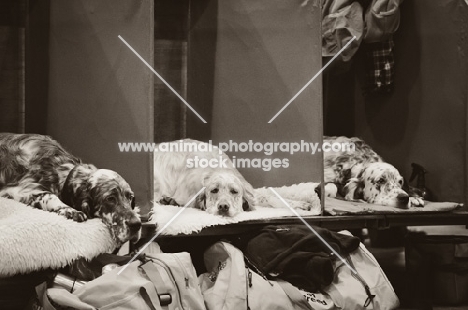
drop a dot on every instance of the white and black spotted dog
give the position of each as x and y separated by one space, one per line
361 174
38 171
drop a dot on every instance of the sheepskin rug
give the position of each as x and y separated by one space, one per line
32 239
193 220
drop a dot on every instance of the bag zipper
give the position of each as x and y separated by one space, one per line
251 265
169 271
358 277
186 277
248 283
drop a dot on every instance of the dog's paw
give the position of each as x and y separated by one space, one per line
168 201
331 190
301 205
416 202
72 214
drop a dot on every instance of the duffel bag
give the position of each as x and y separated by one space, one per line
164 281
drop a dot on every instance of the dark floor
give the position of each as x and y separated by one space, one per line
392 261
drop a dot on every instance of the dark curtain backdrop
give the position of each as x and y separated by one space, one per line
170 60
12 29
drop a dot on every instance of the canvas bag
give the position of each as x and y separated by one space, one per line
348 291
231 285
166 281
368 289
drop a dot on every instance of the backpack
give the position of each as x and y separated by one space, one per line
231 284
162 281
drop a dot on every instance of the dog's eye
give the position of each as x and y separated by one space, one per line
401 182
234 192
381 181
214 191
111 199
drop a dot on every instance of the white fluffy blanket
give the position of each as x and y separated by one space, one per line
32 239
193 220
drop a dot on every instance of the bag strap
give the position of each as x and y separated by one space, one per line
152 300
357 276
41 291
107 258
299 301
162 289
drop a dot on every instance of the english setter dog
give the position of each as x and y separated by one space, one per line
38 171
361 174
177 179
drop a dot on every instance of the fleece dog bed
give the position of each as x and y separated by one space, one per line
194 220
342 207
31 239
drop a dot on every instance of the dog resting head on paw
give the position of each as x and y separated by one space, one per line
104 194
37 171
378 183
225 194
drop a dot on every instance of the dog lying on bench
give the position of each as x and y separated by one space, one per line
36 170
226 192
359 173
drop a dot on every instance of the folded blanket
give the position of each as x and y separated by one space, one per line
342 207
32 239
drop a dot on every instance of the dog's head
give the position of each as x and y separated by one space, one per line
379 183
104 194
225 194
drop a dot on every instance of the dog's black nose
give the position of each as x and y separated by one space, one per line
134 224
403 198
223 207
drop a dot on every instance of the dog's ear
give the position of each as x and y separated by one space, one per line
248 199
200 201
354 189
75 190
406 186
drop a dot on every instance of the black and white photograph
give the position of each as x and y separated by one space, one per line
233 154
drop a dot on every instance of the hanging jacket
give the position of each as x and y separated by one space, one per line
382 19
342 20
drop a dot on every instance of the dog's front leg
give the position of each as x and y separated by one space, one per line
50 202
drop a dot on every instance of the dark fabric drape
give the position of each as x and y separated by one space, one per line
12 14
170 60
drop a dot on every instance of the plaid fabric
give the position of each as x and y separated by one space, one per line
380 67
